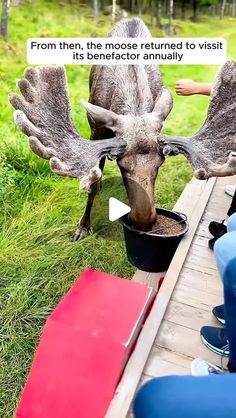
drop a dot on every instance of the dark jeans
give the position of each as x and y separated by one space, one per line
232 208
187 397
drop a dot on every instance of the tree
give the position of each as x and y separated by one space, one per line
103 4
195 10
170 14
233 8
197 4
131 5
222 11
4 18
113 11
183 9
140 7
159 13
95 8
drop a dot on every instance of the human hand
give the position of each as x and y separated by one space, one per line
186 87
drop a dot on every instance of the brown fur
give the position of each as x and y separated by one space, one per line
137 105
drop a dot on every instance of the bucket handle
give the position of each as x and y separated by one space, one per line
181 214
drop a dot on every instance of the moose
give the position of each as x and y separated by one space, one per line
126 110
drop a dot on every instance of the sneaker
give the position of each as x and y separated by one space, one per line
230 189
217 228
200 367
215 339
212 241
218 312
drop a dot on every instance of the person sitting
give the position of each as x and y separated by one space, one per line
216 339
212 395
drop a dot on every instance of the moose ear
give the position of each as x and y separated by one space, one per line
163 104
101 116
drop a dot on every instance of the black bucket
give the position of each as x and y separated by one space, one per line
149 251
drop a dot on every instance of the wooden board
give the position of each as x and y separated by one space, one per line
201 281
188 316
149 279
184 340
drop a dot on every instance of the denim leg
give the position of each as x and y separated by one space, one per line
187 397
232 208
225 252
231 223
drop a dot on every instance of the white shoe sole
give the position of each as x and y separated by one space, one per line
200 367
214 349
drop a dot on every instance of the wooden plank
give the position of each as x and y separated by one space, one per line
149 279
162 362
216 213
200 240
205 282
125 391
207 260
196 297
202 251
185 341
189 316
201 268
186 202
165 367
140 276
203 230
207 263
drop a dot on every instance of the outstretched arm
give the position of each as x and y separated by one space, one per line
188 87
212 150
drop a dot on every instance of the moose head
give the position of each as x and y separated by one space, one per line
143 154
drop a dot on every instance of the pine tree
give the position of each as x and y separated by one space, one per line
4 18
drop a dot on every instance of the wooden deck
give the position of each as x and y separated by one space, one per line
170 337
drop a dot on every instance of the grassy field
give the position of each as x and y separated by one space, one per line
39 211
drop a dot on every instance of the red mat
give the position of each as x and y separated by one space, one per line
84 347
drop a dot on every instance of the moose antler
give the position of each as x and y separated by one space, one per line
212 151
43 115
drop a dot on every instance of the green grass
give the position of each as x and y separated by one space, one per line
39 211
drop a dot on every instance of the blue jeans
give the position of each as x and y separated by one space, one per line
232 208
225 254
231 223
187 397
207 396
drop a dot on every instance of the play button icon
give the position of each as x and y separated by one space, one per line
117 209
